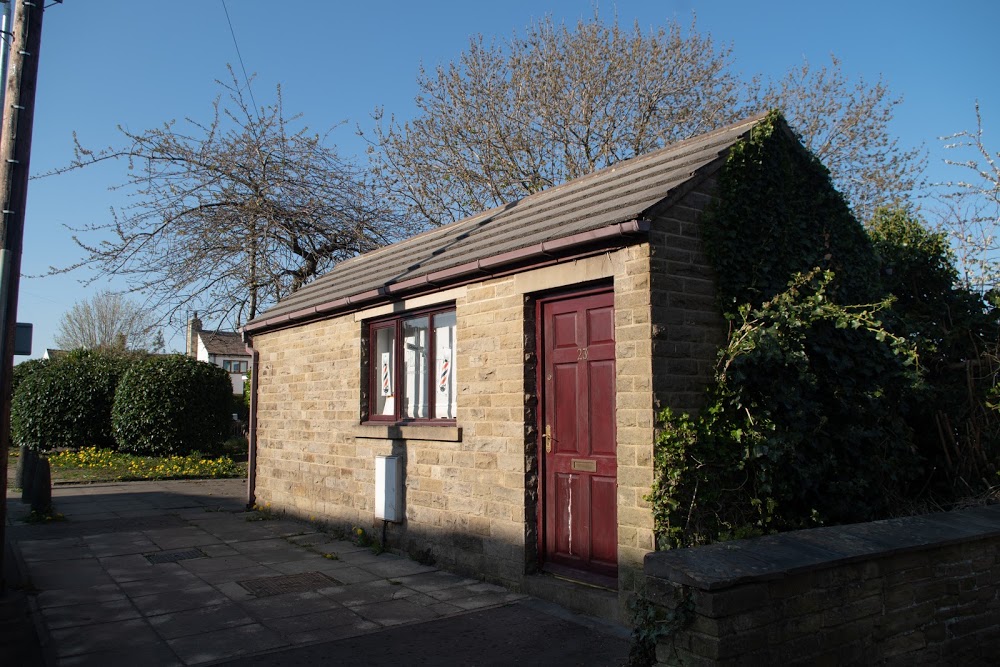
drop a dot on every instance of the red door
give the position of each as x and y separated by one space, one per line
578 444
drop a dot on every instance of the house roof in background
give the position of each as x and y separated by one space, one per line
585 209
224 343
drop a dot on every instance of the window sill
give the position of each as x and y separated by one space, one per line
409 432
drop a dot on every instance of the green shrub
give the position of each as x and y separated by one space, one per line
67 402
172 404
247 386
810 417
24 369
239 408
806 425
957 425
235 448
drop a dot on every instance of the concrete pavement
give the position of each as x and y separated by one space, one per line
177 573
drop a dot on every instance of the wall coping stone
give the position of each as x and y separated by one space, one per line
409 432
727 564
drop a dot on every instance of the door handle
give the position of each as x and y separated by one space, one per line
548 438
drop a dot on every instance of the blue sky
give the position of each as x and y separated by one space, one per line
139 64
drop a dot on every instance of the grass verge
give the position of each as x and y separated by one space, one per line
90 464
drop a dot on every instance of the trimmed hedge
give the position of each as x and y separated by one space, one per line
24 369
172 404
67 402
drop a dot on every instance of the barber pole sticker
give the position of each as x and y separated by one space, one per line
386 375
444 372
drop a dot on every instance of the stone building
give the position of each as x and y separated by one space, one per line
515 362
225 349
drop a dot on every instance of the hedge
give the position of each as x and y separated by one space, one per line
67 402
172 404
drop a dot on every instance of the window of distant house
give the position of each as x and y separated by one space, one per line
234 366
412 367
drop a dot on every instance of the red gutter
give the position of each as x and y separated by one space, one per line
461 273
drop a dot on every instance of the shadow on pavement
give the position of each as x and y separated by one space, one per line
523 633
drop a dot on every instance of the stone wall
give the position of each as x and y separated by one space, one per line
917 590
688 326
667 346
307 407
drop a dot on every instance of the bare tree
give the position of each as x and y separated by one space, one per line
506 120
509 120
109 321
972 207
230 215
845 124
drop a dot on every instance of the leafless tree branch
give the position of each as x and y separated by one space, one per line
230 215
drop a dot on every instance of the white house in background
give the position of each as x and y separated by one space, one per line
225 349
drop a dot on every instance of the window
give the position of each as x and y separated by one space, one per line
234 366
412 367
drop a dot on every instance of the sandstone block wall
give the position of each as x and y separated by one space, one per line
688 327
671 334
913 591
307 405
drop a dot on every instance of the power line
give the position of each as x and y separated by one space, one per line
240 57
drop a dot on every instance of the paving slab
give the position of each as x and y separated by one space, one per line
172 573
225 643
398 567
332 633
233 591
78 573
255 571
217 563
217 550
368 592
320 620
200 620
178 538
329 566
88 613
60 597
308 539
352 575
110 636
395 612
178 600
526 633
159 655
433 581
135 567
169 578
289 604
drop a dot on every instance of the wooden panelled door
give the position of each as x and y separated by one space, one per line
578 443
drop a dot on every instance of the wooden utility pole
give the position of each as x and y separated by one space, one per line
15 155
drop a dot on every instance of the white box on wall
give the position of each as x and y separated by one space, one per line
389 488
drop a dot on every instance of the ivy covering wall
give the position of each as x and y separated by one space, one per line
820 405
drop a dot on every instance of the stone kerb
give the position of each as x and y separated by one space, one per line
915 589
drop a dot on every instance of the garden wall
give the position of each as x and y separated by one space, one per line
916 590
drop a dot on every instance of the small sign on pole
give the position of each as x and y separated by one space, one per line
22 339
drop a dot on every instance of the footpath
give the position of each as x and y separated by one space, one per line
178 573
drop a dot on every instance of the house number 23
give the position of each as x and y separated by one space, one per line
581 353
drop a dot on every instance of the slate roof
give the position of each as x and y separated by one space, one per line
591 204
224 343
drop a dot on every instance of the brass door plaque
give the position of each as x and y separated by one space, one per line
584 465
